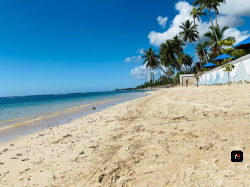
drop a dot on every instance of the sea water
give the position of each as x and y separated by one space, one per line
14 110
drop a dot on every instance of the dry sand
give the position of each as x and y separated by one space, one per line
173 137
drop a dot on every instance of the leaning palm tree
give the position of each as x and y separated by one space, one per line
185 60
167 56
177 45
196 14
151 60
210 4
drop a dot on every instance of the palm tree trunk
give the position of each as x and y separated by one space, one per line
199 58
213 25
172 78
200 41
228 78
165 74
216 19
215 54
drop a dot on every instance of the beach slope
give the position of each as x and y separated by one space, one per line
173 137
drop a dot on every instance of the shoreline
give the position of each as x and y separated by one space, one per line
172 137
62 117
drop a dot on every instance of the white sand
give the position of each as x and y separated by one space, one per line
174 137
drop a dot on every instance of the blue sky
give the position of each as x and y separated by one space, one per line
61 46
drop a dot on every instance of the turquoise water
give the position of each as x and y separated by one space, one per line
14 110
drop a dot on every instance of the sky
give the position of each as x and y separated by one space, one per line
65 46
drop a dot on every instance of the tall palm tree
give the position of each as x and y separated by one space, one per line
196 14
216 4
210 4
151 60
189 32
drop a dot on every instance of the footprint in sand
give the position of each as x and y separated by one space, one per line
222 163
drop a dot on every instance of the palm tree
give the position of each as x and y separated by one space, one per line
213 41
185 60
168 52
197 13
201 52
210 4
189 33
215 6
177 44
212 36
151 59
167 56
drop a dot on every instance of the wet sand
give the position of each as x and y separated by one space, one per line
173 137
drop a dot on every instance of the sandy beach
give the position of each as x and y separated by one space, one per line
173 137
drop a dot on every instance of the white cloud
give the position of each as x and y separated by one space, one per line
239 36
133 59
141 72
235 7
141 51
162 21
184 9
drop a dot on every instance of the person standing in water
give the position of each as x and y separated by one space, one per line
187 83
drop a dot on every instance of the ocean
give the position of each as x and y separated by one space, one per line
19 111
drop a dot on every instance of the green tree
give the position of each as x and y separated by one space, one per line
201 52
151 60
177 45
185 60
210 4
219 33
189 32
216 4
196 14
167 56
197 76
228 67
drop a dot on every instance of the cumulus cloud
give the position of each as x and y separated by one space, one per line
239 36
184 8
141 51
141 72
133 59
236 8
162 21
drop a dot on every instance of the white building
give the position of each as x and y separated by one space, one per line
151 76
